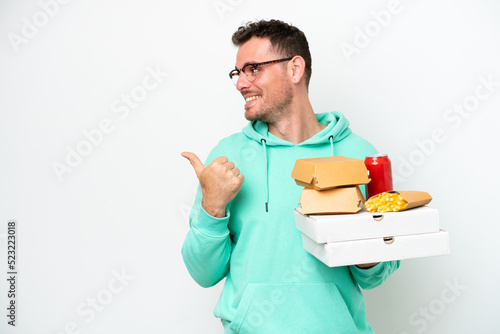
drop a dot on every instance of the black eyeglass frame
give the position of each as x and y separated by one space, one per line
237 71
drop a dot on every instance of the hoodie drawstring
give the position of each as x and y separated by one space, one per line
331 144
263 141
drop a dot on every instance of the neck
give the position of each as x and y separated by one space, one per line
299 124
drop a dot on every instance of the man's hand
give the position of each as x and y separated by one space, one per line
367 265
220 182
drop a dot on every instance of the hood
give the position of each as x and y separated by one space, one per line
337 128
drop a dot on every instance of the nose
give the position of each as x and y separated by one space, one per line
242 82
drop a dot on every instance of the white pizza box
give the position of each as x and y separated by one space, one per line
344 253
367 225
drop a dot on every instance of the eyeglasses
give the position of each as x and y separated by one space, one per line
251 70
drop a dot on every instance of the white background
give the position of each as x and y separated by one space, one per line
121 210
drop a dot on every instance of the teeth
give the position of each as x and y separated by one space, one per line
251 98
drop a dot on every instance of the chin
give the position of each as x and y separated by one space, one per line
262 114
250 116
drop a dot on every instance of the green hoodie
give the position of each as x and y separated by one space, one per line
272 284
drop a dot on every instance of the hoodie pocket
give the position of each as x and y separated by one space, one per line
297 308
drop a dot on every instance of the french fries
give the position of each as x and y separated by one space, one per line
386 202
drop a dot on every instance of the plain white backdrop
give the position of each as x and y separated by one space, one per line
99 98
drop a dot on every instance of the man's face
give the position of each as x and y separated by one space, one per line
267 98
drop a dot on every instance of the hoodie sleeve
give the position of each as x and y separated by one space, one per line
372 277
207 247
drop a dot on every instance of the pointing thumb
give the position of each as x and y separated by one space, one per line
195 162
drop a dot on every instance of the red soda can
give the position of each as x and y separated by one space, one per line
380 172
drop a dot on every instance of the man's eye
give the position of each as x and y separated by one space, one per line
255 69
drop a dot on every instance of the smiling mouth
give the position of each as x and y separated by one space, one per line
252 98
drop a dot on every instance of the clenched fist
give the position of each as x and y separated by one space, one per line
220 182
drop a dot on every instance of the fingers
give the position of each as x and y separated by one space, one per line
224 163
235 171
221 160
227 166
195 162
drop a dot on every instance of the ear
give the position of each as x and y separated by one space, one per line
298 66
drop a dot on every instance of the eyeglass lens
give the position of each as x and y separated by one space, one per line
249 72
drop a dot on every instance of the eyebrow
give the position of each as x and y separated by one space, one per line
245 64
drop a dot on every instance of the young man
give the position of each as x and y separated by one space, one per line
242 223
